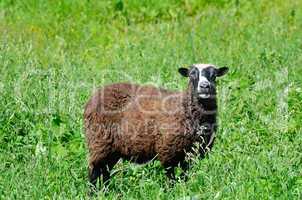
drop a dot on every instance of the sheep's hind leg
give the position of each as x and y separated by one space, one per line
105 173
106 168
96 163
101 173
94 174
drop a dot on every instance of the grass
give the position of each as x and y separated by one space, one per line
54 54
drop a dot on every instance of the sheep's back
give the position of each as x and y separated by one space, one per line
133 117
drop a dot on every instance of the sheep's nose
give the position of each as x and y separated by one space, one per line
204 85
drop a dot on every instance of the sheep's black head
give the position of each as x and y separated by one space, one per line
203 78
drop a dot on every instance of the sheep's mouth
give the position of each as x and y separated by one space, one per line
204 93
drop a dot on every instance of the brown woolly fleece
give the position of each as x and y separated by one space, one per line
141 123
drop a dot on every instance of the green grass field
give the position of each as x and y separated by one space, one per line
54 54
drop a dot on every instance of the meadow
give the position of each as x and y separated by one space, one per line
54 54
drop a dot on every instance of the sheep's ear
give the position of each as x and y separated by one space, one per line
222 71
184 71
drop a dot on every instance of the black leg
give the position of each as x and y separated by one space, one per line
170 173
101 169
105 170
105 173
184 166
94 174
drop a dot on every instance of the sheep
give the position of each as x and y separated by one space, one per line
143 123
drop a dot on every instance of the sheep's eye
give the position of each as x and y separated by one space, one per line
194 74
212 77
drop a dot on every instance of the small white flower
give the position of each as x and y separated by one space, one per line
40 149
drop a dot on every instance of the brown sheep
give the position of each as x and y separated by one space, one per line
140 123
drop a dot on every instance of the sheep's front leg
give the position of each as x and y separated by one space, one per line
184 165
170 172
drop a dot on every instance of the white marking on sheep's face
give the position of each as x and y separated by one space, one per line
203 78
